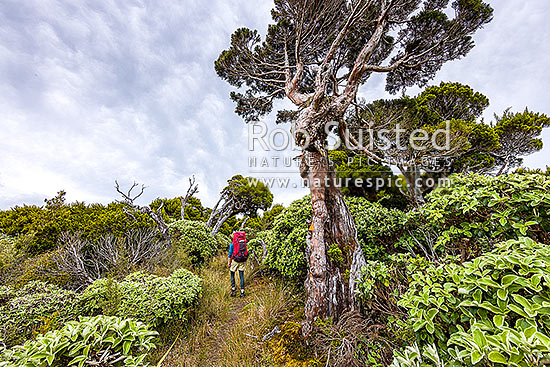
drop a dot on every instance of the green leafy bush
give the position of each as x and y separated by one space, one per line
148 298
98 341
194 238
378 229
25 310
7 251
256 245
382 283
223 240
494 310
476 212
286 242
47 223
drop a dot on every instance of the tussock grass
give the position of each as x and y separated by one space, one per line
226 331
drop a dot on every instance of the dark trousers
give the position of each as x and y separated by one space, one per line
241 275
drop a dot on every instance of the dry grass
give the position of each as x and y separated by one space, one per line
226 331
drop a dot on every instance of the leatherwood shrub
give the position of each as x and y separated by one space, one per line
194 238
96 341
47 223
378 229
494 310
148 298
26 310
477 211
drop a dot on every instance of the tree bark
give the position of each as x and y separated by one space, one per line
415 194
226 212
330 281
243 223
214 212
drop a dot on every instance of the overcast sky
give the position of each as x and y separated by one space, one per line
93 91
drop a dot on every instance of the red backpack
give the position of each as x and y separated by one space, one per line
240 252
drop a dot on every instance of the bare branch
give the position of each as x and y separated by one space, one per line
128 196
192 190
129 201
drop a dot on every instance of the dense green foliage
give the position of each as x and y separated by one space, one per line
359 176
265 221
194 238
493 310
46 224
7 250
519 136
148 298
286 241
26 310
100 340
378 228
247 195
382 283
473 146
308 37
171 209
477 211
449 107
39 306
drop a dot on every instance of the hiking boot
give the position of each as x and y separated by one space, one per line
233 294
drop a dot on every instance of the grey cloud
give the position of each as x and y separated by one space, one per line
98 91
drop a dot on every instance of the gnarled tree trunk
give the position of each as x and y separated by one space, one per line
224 216
413 177
330 281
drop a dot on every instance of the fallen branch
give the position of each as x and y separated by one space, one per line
272 333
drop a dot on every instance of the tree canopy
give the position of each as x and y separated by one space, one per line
320 48
472 144
242 195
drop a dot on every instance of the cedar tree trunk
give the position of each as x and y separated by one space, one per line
333 252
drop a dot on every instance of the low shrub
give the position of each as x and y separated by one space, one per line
28 309
378 229
144 297
494 310
194 238
97 341
382 283
7 251
477 211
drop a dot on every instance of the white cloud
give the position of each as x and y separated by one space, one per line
98 91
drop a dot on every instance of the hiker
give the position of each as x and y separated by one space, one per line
238 254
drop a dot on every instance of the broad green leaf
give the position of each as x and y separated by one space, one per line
498 320
497 357
479 338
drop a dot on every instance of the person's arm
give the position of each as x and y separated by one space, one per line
230 253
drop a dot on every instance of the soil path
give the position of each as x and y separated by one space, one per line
214 354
